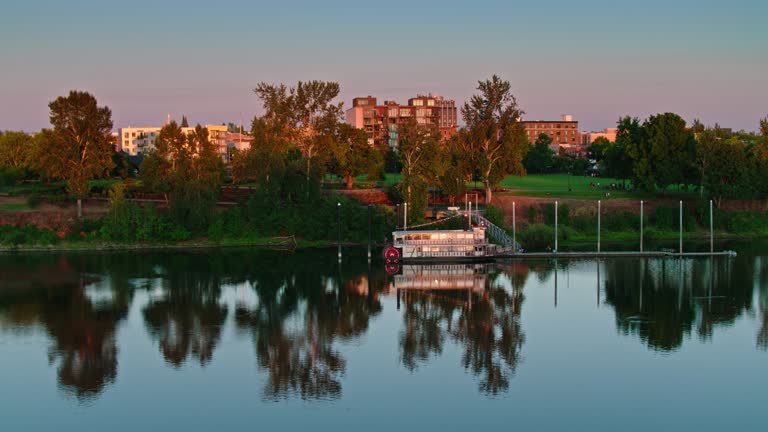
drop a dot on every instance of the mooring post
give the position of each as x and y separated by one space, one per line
681 227
555 251
514 228
469 215
711 229
405 217
370 228
338 238
641 226
599 213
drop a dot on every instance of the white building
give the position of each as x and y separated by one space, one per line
140 140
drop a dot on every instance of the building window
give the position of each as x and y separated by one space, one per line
418 102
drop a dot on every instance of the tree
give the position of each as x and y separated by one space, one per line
728 175
184 122
15 149
492 119
417 147
672 149
697 126
630 135
303 114
540 155
352 155
187 170
616 160
597 148
79 147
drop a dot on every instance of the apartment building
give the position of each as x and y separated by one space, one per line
563 132
380 121
140 140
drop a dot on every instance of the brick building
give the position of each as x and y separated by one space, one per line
380 121
565 134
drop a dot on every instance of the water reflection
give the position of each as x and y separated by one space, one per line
459 302
299 312
664 301
186 316
296 321
79 318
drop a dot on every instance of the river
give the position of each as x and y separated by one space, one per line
248 339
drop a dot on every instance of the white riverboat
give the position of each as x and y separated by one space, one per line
441 245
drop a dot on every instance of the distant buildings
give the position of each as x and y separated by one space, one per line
380 121
140 140
565 134
588 138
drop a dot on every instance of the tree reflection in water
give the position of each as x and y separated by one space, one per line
663 300
187 318
484 320
79 313
299 314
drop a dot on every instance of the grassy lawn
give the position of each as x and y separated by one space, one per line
14 207
555 182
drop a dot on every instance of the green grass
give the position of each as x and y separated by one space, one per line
555 182
14 207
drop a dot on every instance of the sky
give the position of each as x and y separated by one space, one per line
596 60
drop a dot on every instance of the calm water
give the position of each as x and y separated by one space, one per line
218 340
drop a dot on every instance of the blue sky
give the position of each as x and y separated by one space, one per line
597 60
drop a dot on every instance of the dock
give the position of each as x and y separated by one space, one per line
619 254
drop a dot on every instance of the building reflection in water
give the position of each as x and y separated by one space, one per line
458 302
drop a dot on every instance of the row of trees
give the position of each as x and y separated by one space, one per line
302 127
663 151
301 137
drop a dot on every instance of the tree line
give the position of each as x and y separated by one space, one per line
301 137
663 151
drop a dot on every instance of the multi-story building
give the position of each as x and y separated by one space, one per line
607 133
140 140
380 121
564 133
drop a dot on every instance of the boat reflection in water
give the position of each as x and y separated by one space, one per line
460 304
444 277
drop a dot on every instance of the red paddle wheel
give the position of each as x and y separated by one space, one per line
392 254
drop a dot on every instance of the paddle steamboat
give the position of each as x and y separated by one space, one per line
441 245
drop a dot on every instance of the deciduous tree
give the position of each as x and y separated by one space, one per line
303 113
15 149
417 147
79 147
540 155
352 155
187 170
492 118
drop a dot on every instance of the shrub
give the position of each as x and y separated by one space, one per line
621 221
494 215
532 214
745 222
537 236
563 214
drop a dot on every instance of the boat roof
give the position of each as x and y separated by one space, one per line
455 231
